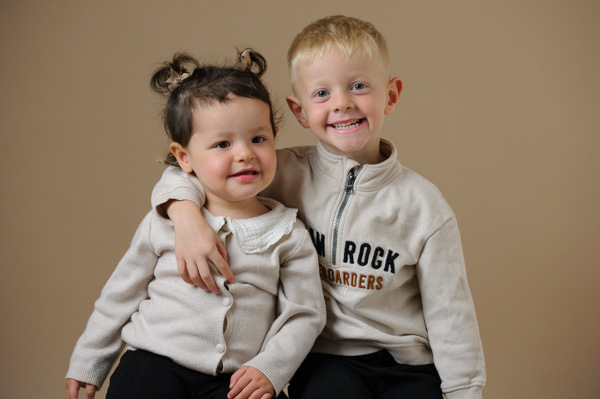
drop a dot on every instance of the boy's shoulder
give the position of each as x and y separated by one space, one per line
292 161
296 152
410 189
416 180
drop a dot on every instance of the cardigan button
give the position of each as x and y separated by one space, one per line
220 348
226 301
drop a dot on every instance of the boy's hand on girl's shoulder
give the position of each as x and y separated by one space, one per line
197 246
73 387
250 383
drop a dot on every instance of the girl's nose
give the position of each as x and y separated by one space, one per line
244 154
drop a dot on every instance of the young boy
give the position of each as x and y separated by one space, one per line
400 317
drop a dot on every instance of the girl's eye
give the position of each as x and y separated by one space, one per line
359 86
222 144
258 139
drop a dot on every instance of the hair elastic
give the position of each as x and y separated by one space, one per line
245 61
175 80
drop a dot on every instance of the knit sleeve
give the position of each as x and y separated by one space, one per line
450 314
301 313
175 184
101 343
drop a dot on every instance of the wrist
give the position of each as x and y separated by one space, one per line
178 210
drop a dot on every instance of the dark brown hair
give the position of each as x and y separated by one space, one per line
189 85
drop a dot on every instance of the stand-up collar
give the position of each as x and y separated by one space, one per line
371 176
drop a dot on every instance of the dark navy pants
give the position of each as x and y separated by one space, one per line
372 376
145 375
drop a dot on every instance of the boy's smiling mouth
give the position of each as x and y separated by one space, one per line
347 125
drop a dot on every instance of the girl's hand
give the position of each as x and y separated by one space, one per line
73 387
197 246
250 383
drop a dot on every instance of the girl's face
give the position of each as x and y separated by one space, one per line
231 151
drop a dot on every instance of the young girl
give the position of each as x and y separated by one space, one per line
183 342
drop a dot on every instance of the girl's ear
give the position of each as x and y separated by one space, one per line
182 157
394 89
296 108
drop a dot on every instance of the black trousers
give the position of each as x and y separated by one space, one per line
372 376
145 375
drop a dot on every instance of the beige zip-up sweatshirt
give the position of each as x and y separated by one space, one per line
268 319
390 256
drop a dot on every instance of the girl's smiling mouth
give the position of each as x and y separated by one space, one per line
246 174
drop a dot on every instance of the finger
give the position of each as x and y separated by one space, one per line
72 388
183 273
222 250
238 385
260 393
236 377
200 275
219 259
248 392
90 391
208 281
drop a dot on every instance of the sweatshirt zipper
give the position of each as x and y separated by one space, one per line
336 223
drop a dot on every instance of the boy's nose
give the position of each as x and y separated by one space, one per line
342 102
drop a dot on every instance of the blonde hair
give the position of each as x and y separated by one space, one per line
346 34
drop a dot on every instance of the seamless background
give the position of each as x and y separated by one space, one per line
500 110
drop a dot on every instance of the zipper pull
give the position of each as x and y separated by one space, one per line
351 178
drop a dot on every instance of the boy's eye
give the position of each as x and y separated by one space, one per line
359 86
222 144
321 93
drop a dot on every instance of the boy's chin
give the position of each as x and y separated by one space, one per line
361 149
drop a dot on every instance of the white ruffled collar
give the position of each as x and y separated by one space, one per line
257 234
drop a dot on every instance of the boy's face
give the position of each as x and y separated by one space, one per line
344 101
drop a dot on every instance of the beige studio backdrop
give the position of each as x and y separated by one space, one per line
500 110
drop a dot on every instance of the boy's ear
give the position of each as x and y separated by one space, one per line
296 108
394 89
182 157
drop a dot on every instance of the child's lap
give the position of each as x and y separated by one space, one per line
142 374
370 376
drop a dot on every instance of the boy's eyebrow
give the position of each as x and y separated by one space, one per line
362 75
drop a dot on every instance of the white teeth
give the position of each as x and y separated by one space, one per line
347 125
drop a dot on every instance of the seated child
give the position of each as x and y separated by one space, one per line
182 341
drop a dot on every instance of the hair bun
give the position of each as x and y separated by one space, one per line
171 74
251 61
